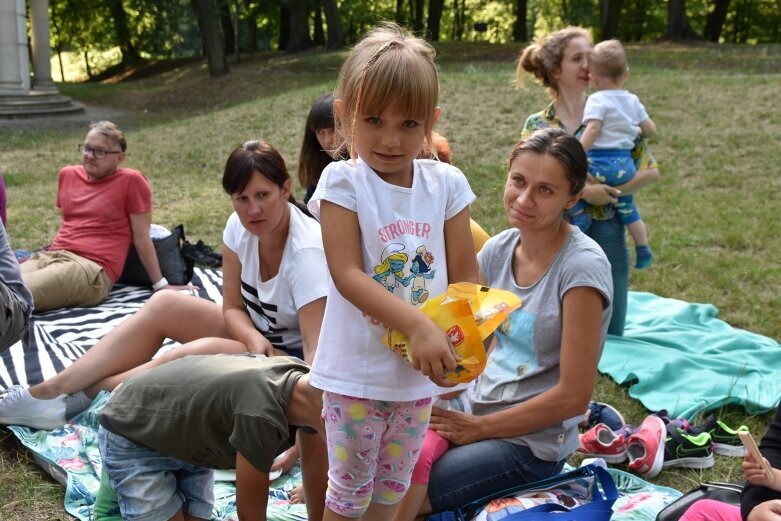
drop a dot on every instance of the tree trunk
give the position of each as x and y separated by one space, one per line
126 47
416 9
458 19
86 65
399 19
678 27
318 33
433 24
235 17
210 37
519 28
284 27
334 23
611 10
299 26
226 22
252 26
715 21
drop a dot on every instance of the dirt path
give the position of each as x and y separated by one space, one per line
79 120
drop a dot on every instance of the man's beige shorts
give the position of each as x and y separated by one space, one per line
61 279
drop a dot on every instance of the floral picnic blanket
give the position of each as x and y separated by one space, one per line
70 454
639 500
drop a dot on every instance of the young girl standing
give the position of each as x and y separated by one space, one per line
380 203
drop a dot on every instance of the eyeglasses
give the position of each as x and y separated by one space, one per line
98 153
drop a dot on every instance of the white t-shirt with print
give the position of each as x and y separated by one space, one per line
403 247
302 278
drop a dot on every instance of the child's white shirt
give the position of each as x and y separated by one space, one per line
620 112
407 224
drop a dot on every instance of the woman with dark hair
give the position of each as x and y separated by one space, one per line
518 421
559 61
318 148
274 291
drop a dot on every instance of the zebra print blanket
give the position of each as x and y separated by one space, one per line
59 337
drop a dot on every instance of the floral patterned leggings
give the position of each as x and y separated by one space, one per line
372 448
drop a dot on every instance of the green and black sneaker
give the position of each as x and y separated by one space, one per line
687 450
725 439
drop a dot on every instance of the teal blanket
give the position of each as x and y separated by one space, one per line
681 357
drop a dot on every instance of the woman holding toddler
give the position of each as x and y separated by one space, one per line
560 62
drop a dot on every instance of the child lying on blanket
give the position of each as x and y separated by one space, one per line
217 411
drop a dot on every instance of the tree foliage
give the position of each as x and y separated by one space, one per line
132 30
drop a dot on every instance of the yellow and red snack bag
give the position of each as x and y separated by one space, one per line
468 313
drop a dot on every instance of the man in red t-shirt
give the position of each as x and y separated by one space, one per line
104 209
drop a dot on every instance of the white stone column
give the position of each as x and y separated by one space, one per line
42 68
10 68
22 44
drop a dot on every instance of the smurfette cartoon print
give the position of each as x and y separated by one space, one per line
421 270
390 271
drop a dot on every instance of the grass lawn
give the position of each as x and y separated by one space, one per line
713 218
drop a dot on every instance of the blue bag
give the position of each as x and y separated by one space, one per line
589 480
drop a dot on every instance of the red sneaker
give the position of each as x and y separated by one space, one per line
601 442
645 448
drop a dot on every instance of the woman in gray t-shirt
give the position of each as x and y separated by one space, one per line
524 409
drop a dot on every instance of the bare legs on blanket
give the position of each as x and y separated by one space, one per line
132 344
127 349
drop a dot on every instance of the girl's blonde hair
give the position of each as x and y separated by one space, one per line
388 68
543 57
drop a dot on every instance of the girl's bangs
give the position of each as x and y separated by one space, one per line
322 120
407 86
